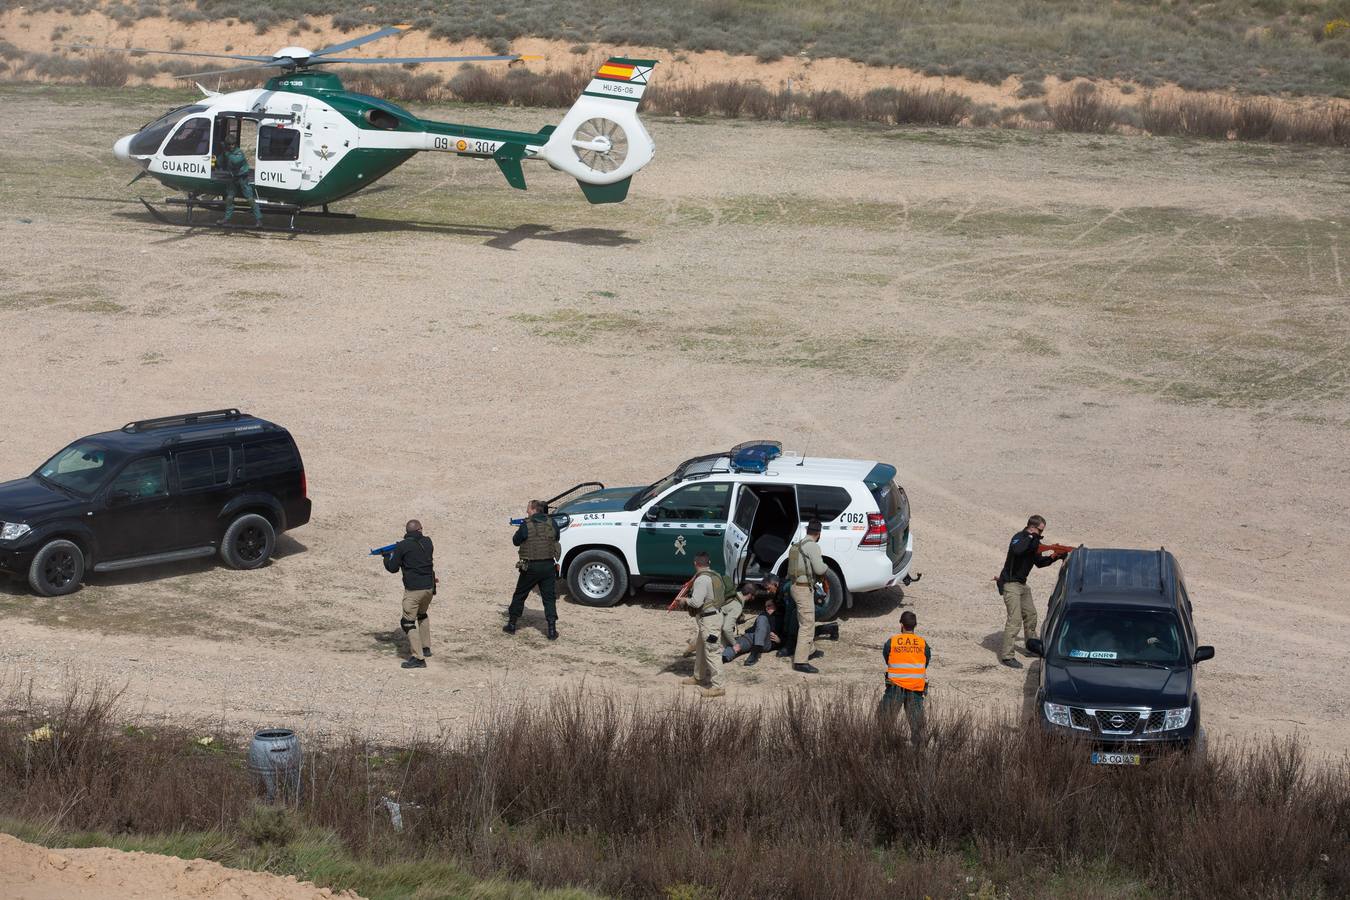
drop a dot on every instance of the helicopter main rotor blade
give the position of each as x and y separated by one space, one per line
364 39
165 52
273 65
406 60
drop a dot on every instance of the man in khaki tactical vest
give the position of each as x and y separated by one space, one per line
806 567
537 538
705 601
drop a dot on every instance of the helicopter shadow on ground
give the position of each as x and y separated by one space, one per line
314 227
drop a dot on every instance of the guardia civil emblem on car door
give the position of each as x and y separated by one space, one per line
679 546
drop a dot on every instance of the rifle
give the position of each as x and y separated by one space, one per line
381 551
1059 550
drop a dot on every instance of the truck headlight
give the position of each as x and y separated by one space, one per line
1056 714
1176 718
12 531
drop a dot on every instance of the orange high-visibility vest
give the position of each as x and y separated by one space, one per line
905 663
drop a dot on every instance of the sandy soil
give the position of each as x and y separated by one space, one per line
30 872
40 31
1143 340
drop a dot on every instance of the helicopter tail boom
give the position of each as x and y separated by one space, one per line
601 141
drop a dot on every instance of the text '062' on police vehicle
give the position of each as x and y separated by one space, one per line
743 508
1119 648
159 490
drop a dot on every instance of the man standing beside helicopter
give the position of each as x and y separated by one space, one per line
238 181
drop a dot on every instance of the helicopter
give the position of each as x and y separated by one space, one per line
316 143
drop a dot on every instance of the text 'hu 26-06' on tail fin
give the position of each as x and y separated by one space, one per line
601 141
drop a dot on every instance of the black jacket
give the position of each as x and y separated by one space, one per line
1024 552
413 556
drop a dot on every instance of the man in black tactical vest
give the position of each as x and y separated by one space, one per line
537 540
412 555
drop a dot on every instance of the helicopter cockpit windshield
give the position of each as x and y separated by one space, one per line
146 141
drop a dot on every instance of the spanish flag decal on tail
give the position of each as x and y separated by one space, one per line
621 79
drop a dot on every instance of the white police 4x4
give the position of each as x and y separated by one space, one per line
744 508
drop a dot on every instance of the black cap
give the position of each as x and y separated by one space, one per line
813 526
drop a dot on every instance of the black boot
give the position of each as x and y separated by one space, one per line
552 631
510 626
752 659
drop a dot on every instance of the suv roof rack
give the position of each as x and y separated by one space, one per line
197 418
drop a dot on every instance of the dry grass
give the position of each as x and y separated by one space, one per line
815 795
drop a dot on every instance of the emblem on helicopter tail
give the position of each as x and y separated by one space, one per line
323 152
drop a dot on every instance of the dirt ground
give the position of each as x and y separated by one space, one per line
1143 340
30 872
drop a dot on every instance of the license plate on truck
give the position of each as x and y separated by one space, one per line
1115 759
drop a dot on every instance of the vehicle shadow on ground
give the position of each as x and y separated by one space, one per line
314 227
877 605
286 546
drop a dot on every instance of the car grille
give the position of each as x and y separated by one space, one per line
1115 721
1118 721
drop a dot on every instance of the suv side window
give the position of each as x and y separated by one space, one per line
199 469
821 502
268 458
704 502
144 479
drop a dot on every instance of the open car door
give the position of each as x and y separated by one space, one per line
736 544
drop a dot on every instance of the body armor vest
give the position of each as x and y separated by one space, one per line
541 540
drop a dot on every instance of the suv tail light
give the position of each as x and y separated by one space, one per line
304 484
877 534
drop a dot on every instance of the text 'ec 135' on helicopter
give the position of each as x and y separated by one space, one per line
317 142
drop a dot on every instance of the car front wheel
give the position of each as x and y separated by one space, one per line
596 578
57 569
248 542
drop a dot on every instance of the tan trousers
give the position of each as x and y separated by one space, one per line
415 604
805 600
730 614
708 659
1021 615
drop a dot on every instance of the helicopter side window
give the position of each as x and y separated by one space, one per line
193 138
278 144
148 139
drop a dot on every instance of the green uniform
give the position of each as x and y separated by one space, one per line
537 539
239 182
706 598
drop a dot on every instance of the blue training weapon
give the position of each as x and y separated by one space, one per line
381 551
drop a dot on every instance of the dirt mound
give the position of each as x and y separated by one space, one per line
30 872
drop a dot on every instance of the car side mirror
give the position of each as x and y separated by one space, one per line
118 497
1035 647
1204 653
650 515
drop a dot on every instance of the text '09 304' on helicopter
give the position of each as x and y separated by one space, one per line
317 142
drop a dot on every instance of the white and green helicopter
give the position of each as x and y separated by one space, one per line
317 143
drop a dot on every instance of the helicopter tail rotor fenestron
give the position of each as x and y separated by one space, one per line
601 141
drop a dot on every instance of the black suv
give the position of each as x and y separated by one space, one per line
1120 650
155 491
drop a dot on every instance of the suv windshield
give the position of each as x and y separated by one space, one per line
650 491
81 467
1118 637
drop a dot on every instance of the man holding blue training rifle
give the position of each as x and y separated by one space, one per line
537 543
412 556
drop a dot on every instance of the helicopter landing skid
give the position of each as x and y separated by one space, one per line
159 216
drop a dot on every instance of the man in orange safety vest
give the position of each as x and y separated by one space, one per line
907 656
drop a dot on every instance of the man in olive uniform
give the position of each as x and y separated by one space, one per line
806 566
705 600
1024 554
239 182
412 556
537 540
907 657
